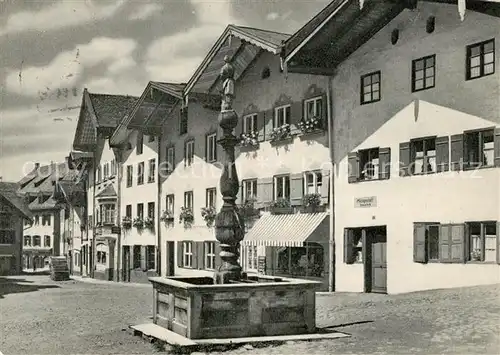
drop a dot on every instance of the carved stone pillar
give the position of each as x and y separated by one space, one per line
229 226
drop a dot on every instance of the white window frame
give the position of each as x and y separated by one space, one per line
170 159
253 123
211 197
275 186
315 101
170 203
140 173
317 182
187 254
286 118
109 214
189 152
209 255
188 199
211 147
151 171
248 186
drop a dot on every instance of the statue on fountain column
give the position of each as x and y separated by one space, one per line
227 77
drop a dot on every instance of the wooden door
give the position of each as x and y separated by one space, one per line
170 258
379 263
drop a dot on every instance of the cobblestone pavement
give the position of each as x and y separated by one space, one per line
39 316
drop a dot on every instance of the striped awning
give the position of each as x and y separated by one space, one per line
288 230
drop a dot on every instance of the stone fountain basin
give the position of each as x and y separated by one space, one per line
196 308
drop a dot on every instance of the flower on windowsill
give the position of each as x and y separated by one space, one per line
310 124
311 200
186 216
126 222
476 255
249 139
209 214
167 217
138 223
281 132
149 223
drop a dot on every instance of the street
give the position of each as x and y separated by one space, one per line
39 316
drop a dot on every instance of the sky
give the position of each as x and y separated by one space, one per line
52 50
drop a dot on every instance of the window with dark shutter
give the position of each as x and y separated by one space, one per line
457 243
423 156
481 241
296 189
180 254
404 159
456 152
479 149
420 243
353 167
264 191
369 164
444 244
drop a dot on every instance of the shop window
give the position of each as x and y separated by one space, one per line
480 59
282 116
423 153
353 245
482 242
479 149
140 173
46 241
423 73
305 261
370 87
151 257
209 249
187 254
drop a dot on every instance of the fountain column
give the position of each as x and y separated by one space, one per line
229 225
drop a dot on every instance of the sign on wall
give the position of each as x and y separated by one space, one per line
365 202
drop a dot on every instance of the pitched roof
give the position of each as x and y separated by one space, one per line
49 203
45 178
9 191
110 109
271 37
169 88
108 191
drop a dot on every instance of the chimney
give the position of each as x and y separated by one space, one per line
37 165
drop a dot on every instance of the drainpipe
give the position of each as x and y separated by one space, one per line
158 212
93 219
331 141
118 214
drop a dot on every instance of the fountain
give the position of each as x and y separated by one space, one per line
231 306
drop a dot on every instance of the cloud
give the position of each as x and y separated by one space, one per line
167 58
66 69
272 16
60 15
145 11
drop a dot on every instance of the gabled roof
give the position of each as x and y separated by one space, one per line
45 177
9 191
108 191
260 39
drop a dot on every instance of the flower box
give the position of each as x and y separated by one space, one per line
186 217
312 209
126 222
167 217
149 223
249 139
208 214
281 133
281 210
138 223
311 125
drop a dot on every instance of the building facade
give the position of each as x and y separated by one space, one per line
416 141
14 212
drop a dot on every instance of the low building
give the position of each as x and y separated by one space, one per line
416 140
14 212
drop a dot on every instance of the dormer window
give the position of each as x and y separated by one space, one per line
140 142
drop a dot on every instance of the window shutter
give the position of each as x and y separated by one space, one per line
348 246
206 147
457 243
497 146
353 167
200 253
444 243
218 260
261 124
239 196
324 118
143 257
457 151
295 116
185 153
443 154
404 159
194 250
325 186
268 126
217 147
180 254
384 161
264 191
296 189
498 242
420 243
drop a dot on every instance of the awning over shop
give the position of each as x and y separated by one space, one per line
289 230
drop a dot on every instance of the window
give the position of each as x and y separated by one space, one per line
423 152
369 164
480 59
250 123
370 87
187 251
151 211
128 211
188 199
266 73
130 173
152 170
482 241
137 257
140 173
282 116
46 241
249 190
300 261
353 245
211 197
209 255
211 148
37 219
140 143
46 220
189 152
150 257
114 167
170 203
37 241
251 257
313 180
313 108
27 241
108 214
423 73
479 148
183 126
426 242
151 138
282 187
99 174
140 210
170 159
